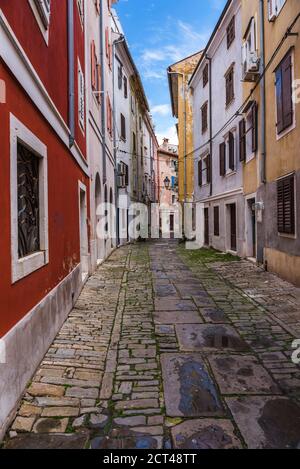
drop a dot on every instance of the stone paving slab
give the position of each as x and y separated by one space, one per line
188 388
177 317
207 338
205 434
237 374
267 422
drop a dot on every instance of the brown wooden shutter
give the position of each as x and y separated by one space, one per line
200 173
231 151
123 127
222 159
242 139
216 221
208 166
254 128
286 205
287 91
93 65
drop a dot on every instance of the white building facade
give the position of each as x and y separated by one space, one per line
217 100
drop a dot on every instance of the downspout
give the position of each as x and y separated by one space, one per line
115 42
185 138
210 125
263 94
71 72
104 178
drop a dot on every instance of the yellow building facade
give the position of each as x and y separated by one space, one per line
179 75
272 175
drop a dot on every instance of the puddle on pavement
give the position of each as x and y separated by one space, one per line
280 422
126 439
188 387
202 337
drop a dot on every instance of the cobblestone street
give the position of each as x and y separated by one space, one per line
166 351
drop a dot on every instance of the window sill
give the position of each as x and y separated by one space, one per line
231 173
285 132
29 264
250 158
287 235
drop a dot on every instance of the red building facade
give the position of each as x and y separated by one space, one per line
44 177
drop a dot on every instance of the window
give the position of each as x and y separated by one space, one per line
123 127
140 123
231 152
274 8
204 170
120 76
125 87
81 97
248 133
286 205
132 105
217 221
229 80
173 199
29 201
204 111
43 7
284 94
242 139
230 32
223 159
205 76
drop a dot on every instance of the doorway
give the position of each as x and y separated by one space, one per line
251 229
84 247
233 227
206 226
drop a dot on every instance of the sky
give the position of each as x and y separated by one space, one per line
160 33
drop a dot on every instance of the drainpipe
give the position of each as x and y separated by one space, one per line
210 125
103 104
71 71
120 40
263 94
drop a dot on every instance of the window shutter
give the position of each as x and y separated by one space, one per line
93 65
242 139
231 151
126 175
254 128
98 67
200 173
123 127
222 159
287 91
107 42
208 169
286 205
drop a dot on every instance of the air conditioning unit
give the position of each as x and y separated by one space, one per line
250 63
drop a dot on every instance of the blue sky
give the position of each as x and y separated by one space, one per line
159 33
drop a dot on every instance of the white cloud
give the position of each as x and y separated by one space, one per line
170 133
161 109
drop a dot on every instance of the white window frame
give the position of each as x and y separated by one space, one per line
230 172
81 98
274 8
42 11
250 155
204 157
25 266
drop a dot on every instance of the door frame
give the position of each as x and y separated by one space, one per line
83 237
248 227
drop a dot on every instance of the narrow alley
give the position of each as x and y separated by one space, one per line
169 348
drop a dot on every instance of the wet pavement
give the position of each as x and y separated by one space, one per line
163 351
